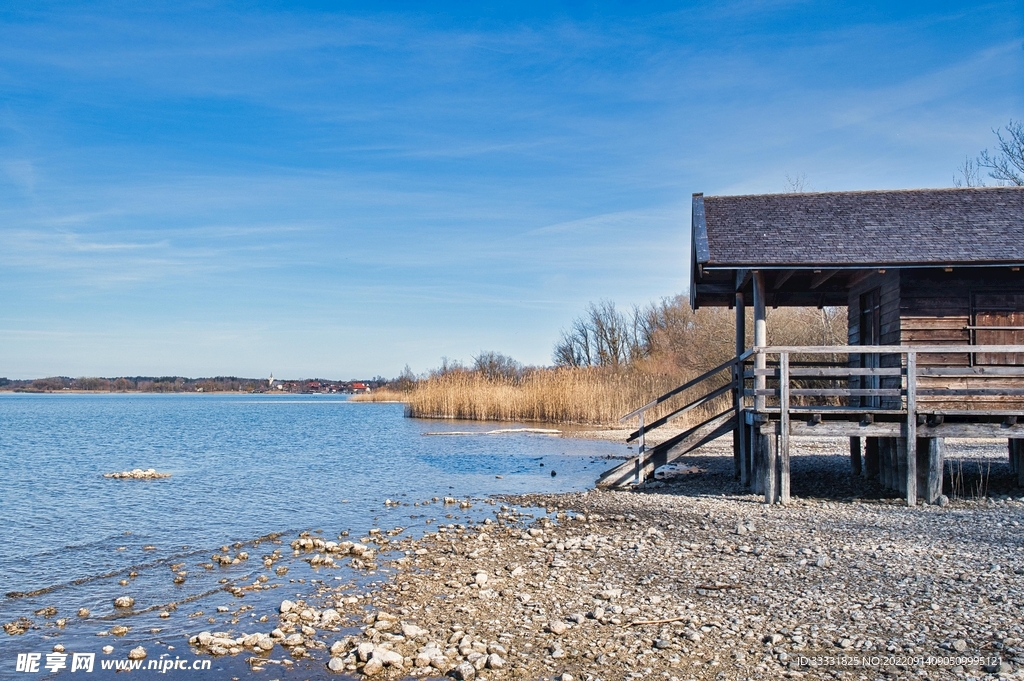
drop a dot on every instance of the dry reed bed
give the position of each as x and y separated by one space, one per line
562 395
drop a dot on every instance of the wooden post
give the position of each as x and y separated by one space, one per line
761 443
741 461
1017 452
760 339
901 466
768 460
784 428
757 442
855 466
1020 463
871 458
911 444
936 454
640 456
885 462
923 467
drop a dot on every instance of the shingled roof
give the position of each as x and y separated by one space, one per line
919 227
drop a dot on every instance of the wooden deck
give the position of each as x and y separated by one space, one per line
889 400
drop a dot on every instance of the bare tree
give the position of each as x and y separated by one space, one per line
603 336
496 366
1006 166
797 184
970 175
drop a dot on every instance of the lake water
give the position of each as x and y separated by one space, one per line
242 467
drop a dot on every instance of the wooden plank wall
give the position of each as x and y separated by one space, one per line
931 306
888 284
935 306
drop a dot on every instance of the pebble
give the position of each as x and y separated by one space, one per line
661 585
463 672
557 628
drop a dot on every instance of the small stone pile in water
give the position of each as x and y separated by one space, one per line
137 474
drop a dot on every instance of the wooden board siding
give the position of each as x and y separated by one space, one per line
888 285
1001 310
936 308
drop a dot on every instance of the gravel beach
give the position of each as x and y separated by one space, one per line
693 578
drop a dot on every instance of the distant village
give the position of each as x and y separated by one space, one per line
179 384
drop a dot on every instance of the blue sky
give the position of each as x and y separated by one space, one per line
204 189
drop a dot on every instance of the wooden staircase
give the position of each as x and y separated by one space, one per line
641 467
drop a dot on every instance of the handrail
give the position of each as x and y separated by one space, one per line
682 410
689 384
884 349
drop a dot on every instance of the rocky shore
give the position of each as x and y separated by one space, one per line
690 577
687 579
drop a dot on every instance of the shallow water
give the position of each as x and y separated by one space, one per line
242 467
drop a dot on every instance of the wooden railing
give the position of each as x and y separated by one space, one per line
816 381
901 394
734 384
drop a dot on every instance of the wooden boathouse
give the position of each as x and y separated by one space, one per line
934 291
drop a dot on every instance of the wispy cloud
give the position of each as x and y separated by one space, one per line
441 176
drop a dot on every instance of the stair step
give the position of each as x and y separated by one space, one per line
627 472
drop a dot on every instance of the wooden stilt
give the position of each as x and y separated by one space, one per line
770 463
900 483
1017 451
762 443
936 456
749 443
922 467
740 470
784 428
871 457
910 444
758 445
855 464
885 461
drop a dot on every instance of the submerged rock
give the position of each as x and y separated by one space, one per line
137 474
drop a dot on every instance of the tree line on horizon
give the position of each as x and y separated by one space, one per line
178 384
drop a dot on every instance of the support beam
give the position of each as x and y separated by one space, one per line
911 443
781 278
765 452
855 464
770 461
758 443
858 276
760 339
936 456
1017 451
820 278
885 473
870 458
742 277
903 470
742 469
784 428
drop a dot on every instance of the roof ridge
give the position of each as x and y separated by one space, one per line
852 192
